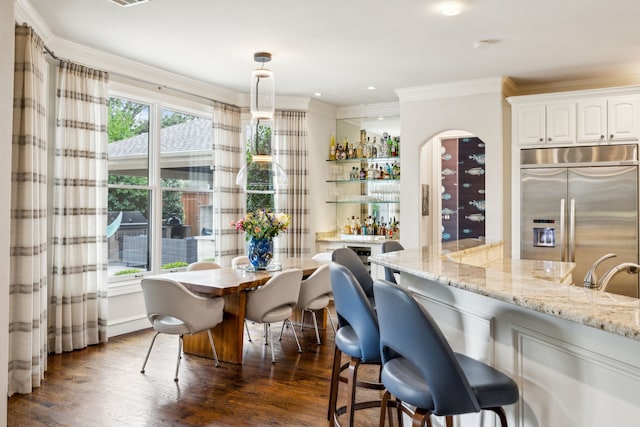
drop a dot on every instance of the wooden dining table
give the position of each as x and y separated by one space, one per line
232 284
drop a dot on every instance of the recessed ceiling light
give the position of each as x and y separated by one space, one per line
482 45
451 8
318 94
127 3
371 87
380 118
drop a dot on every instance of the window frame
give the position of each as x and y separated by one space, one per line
157 100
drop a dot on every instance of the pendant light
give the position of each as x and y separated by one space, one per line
263 89
260 174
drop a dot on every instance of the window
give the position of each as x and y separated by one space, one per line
160 188
259 190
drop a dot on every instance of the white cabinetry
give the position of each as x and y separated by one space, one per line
547 124
598 116
608 119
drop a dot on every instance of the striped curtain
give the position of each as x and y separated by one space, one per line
78 288
229 198
28 262
290 151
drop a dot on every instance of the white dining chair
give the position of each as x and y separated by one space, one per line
274 302
324 257
239 260
202 265
173 309
315 293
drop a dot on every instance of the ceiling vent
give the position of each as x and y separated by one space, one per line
127 3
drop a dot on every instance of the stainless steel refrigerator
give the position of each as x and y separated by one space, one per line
579 203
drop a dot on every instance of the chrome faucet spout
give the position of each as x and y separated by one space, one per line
629 267
591 279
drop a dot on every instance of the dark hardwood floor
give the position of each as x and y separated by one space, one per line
102 386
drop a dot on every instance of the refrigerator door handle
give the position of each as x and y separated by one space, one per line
572 231
563 251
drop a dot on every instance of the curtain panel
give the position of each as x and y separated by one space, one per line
28 253
78 287
290 151
229 198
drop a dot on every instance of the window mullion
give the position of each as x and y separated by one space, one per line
156 192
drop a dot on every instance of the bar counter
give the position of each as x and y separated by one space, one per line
536 285
574 352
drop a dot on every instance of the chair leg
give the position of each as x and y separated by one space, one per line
295 336
352 379
315 325
267 334
301 320
383 407
153 340
333 391
247 328
422 418
399 412
273 356
179 357
213 348
331 319
501 414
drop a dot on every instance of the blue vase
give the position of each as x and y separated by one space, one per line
260 252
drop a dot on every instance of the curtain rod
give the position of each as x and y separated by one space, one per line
160 86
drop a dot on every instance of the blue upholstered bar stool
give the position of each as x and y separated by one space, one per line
425 372
348 258
358 337
391 246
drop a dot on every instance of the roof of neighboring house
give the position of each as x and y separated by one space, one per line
193 135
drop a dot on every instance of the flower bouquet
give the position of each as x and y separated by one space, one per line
260 228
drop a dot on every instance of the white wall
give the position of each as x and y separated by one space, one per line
322 123
472 106
6 114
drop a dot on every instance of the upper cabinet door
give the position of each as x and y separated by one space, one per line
531 125
561 123
623 118
592 120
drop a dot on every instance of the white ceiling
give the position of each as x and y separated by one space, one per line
340 47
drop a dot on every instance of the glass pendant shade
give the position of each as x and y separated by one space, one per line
262 94
260 174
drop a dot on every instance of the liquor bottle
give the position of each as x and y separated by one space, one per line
367 149
390 147
363 174
346 228
347 150
359 149
332 148
374 148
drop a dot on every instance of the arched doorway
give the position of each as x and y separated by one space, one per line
454 196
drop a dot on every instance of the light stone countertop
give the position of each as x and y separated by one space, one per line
526 283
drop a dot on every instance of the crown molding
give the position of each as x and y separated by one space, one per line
450 90
575 85
369 110
24 13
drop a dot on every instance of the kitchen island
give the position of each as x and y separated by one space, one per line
574 352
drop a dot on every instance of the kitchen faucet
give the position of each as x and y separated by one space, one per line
590 279
629 267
